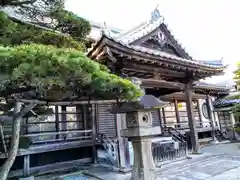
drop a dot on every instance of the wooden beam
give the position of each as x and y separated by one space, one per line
162 84
50 168
146 68
164 116
191 120
64 117
55 133
157 76
199 113
36 149
137 74
65 103
57 121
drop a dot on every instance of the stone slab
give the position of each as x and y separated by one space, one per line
106 174
27 178
76 177
233 174
195 175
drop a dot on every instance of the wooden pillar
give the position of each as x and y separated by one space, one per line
92 118
164 117
199 113
57 121
64 117
177 113
124 156
160 119
232 118
191 121
26 123
79 117
209 111
26 165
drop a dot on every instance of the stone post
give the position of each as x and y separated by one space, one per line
140 131
232 118
210 115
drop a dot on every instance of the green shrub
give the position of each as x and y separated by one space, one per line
50 70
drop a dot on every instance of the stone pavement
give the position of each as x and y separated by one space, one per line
218 162
208 167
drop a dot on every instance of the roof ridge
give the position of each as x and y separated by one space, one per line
132 30
175 39
140 27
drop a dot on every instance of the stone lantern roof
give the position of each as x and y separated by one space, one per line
146 103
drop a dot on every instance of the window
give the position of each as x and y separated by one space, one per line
50 127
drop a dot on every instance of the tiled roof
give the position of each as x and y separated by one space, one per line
205 85
159 53
214 62
138 32
225 102
229 100
144 29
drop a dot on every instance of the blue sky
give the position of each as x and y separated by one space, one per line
208 29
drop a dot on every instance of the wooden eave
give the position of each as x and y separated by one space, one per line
154 83
211 89
180 96
141 56
160 87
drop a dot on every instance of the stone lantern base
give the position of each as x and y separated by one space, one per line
143 167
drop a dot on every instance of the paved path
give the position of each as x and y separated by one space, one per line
211 167
218 162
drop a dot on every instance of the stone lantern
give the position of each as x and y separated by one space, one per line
140 131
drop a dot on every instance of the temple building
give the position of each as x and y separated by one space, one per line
150 53
80 132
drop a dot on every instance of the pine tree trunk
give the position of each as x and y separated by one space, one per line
12 153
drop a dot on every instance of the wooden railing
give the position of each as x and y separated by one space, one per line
184 125
27 140
111 149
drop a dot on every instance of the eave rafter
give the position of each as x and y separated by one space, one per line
162 62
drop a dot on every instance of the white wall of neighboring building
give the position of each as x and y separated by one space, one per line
205 121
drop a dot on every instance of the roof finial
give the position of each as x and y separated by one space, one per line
103 26
155 14
104 29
